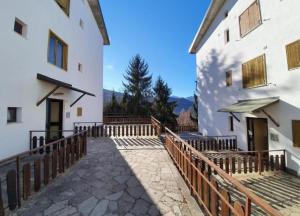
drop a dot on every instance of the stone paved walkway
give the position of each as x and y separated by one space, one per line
117 177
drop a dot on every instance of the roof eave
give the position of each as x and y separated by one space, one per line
97 12
209 17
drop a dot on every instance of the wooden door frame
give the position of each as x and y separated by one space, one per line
247 125
48 113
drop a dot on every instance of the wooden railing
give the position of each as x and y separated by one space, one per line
121 130
205 180
44 163
249 161
126 120
217 143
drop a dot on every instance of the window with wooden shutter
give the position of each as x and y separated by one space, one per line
296 133
64 5
293 55
254 72
250 18
228 78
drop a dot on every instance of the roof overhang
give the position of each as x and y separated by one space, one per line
60 84
250 106
97 12
212 12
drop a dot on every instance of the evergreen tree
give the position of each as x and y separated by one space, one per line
124 103
162 108
194 113
113 108
138 86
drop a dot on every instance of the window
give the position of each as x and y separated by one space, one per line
228 78
254 72
81 23
250 18
20 27
57 52
231 126
14 114
227 36
79 67
296 133
64 5
79 111
293 55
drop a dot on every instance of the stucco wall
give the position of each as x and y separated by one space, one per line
214 58
22 58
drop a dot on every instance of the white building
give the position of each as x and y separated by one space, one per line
52 50
248 74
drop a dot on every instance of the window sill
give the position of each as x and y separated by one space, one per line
65 70
254 87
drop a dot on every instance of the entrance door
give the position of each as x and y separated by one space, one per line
54 119
257 129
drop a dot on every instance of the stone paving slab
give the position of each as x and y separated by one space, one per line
117 177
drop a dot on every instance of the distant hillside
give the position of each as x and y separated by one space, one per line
183 104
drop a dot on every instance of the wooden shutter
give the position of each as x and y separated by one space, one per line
250 18
296 133
293 55
64 4
254 72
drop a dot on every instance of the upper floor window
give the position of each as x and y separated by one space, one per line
64 5
228 78
293 55
250 18
57 52
226 36
20 27
254 72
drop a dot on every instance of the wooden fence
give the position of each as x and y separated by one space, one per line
249 161
126 120
28 172
214 143
203 178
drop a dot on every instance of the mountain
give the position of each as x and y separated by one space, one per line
183 104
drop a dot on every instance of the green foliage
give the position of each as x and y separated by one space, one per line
138 87
194 113
162 108
113 108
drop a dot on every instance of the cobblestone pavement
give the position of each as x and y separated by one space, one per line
117 177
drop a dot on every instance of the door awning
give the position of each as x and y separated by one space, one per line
60 84
251 106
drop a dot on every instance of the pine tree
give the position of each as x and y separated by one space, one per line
194 113
138 87
162 108
113 108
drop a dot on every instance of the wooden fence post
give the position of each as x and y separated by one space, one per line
11 182
1 201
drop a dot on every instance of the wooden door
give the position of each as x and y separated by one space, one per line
257 134
54 119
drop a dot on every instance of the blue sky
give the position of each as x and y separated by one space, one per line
161 31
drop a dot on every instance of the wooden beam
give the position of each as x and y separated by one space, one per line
78 99
234 116
46 96
271 118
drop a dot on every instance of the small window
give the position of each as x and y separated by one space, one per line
255 72
64 5
229 78
14 114
250 18
227 36
293 55
79 67
226 14
231 126
296 133
79 111
57 52
81 23
20 27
